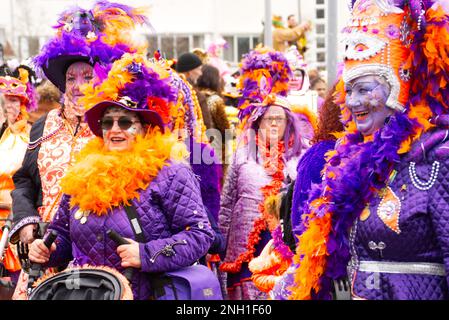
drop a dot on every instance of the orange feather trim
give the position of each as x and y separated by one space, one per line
309 114
311 254
117 79
101 179
436 53
119 26
6 182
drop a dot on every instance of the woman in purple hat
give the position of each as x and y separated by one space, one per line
83 42
134 163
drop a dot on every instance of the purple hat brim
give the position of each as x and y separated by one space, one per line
57 67
94 114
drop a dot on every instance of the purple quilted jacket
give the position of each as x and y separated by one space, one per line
172 215
412 264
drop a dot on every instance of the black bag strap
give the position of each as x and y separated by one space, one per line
133 217
157 280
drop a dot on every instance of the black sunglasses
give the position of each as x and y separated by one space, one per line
124 123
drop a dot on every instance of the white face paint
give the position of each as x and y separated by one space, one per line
78 74
132 130
366 98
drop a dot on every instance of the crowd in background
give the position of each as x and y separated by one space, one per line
276 185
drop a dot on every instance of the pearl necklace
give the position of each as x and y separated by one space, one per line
420 185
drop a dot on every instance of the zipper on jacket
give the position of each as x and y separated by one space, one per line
167 251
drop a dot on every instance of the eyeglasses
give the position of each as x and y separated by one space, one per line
271 119
124 123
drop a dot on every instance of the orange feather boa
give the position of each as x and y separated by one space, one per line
101 179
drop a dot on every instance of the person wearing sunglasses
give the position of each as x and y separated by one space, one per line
135 163
83 42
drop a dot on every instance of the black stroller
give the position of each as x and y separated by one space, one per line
6 286
78 283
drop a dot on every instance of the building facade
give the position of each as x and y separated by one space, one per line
178 25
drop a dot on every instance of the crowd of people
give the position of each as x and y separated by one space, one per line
124 158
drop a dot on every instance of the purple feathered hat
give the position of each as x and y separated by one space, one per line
263 72
134 84
97 36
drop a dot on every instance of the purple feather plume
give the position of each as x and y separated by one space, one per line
148 84
280 245
73 42
278 68
33 98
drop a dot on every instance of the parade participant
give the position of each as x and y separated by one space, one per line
320 86
85 40
309 173
210 84
263 164
18 97
376 184
133 162
276 257
301 43
189 66
263 71
303 103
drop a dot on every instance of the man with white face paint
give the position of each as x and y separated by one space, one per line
365 98
379 219
59 135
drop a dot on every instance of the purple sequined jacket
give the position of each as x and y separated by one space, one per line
412 261
408 260
171 214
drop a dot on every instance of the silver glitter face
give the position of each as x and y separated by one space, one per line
379 70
